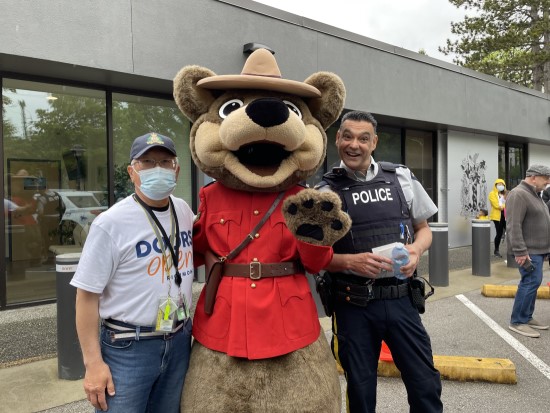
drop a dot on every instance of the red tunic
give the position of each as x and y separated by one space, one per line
255 319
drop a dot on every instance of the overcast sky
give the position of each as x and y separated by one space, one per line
410 24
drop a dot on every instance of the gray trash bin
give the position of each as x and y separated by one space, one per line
481 247
439 254
69 357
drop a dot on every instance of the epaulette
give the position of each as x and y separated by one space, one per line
210 183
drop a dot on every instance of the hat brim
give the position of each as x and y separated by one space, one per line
260 82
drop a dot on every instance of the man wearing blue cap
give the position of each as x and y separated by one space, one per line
135 277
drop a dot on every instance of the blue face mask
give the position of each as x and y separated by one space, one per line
157 183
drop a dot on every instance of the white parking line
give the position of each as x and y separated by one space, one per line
516 345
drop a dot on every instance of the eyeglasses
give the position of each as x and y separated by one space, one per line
151 163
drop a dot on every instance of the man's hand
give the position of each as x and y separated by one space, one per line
97 380
414 260
366 264
520 259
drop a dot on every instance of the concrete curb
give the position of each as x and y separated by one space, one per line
460 368
509 291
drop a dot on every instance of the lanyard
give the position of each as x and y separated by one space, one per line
167 241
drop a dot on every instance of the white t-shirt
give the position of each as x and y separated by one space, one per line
122 262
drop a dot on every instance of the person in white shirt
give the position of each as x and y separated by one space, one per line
135 275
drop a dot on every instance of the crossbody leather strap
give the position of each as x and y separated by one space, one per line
250 236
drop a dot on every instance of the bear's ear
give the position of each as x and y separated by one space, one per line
193 101
328 107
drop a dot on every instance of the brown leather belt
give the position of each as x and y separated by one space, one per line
257 270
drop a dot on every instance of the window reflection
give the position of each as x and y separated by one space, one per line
389 145
419 157
516 164
54 152
134 116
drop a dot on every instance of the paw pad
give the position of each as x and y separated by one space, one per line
316 217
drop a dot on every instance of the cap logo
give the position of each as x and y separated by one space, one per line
154 139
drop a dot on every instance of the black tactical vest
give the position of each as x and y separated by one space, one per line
378 210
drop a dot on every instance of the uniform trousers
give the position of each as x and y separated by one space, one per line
358 333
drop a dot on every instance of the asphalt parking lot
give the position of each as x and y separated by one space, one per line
456 330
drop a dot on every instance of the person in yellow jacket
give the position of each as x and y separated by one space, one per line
497 199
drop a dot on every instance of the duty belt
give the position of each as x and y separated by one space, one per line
361 294
125 331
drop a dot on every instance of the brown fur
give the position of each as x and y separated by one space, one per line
317 216
214 156
303 381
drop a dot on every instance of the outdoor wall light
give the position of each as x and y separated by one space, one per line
251 47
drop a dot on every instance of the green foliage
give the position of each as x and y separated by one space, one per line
509 39
9 128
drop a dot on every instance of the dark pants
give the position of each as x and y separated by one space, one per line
500 227
358 333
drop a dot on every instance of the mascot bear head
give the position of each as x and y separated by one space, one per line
257 131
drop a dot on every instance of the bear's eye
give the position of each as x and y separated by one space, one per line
230 106
293 108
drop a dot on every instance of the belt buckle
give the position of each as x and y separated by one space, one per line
255 270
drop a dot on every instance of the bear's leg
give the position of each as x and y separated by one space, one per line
303 381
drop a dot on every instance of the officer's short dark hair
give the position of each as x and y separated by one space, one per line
359 116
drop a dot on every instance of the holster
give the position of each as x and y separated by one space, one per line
214 272
323 285
418 293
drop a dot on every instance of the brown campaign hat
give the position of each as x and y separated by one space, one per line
260 71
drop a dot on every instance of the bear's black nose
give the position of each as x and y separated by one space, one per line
268 112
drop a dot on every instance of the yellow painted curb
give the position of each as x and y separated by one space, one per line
509 291
459 368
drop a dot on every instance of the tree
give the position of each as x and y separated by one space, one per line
509 39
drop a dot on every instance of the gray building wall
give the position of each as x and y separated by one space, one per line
139 44
155 39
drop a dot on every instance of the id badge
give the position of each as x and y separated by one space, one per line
166 314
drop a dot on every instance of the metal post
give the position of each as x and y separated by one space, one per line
439 254
69 357
481 245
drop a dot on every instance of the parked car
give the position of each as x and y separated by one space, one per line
80 207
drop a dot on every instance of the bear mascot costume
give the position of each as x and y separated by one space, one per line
258 343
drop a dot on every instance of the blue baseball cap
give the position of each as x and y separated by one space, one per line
149 141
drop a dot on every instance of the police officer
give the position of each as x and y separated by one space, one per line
386 204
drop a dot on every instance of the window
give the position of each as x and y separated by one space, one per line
419 157
511 163
54 140
389 145
134 116
56 176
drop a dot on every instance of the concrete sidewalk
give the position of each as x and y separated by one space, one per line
31 384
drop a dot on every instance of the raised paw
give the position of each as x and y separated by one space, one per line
316 217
